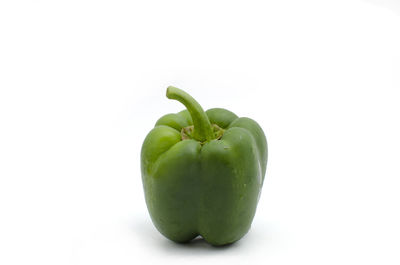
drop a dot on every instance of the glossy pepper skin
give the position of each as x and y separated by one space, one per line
202 172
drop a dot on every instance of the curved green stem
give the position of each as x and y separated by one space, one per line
202 127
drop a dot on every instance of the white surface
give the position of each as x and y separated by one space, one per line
82 82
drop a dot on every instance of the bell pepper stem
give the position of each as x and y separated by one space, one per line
202 127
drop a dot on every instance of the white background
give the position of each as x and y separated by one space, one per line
83 82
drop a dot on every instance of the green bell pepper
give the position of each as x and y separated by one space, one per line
202 172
